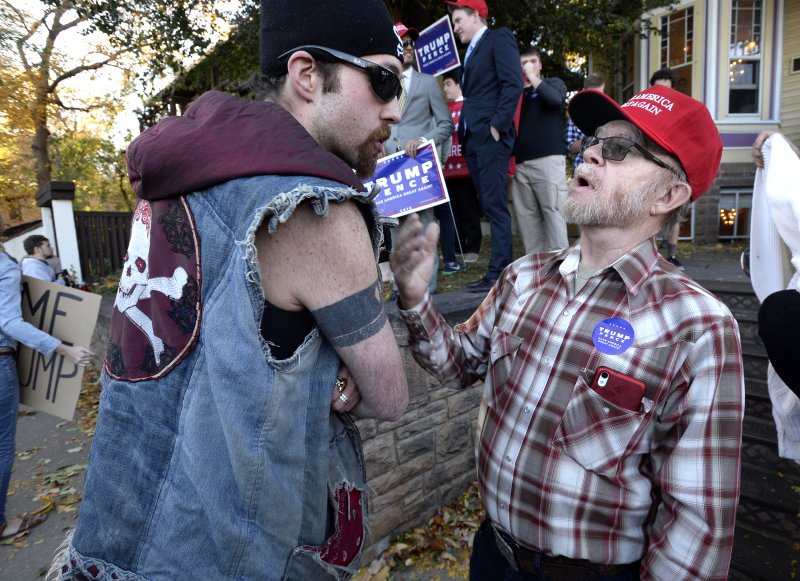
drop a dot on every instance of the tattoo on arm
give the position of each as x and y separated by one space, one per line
353 319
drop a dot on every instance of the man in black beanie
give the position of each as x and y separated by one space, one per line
249 320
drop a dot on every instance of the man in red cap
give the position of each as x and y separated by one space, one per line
491 84
613 389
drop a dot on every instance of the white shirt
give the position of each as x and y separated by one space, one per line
473 42
36 268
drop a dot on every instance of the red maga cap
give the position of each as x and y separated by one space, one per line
478 6
681 125
402 30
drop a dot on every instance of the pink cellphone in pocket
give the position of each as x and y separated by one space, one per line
619 389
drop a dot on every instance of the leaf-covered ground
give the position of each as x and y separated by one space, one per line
54 485
438 550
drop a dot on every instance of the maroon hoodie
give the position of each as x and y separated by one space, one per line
221 137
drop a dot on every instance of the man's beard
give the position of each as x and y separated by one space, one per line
606 210
367 156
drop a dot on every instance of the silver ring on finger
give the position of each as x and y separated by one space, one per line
343 397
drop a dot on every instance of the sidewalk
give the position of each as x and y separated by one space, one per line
52 453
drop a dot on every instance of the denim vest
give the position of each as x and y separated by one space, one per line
230 465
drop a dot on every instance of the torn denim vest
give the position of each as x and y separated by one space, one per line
211 459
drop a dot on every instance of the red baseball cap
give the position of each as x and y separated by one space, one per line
403 30
478 6
681 125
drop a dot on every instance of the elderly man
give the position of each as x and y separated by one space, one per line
613 389
249 280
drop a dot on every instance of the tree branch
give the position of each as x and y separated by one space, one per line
83 68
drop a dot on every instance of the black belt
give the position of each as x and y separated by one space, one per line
7 351
554 568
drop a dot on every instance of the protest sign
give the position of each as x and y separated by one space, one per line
436 48
52 383
409 184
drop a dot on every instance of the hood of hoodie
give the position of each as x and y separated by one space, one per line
221 137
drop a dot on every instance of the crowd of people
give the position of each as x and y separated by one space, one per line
249 328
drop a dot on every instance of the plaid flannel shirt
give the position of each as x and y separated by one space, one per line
566 472
573 133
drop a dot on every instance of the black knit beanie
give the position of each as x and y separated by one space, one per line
357 27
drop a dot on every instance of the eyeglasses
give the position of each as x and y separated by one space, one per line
384 83
616 148
407 43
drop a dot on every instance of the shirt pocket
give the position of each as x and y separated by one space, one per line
597 433
502 355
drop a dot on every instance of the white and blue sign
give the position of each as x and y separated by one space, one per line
409 184
613 336
436 48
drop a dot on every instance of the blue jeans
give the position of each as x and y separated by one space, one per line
488 564
9 406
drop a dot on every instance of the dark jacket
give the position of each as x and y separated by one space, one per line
541 120
491 84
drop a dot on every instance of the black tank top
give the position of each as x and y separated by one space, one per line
284 330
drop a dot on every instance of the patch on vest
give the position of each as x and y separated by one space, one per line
156 315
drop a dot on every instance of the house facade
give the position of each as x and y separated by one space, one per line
742 59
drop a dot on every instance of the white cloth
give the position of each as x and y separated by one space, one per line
775 264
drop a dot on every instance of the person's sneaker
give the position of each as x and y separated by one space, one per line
450 268
471 257
675 261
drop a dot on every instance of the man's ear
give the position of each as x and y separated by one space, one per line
303 76
673 198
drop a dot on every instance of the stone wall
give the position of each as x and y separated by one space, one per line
426 459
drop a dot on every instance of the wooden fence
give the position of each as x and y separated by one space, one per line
102 241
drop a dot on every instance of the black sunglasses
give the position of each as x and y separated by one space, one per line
384 82
616 148
408 43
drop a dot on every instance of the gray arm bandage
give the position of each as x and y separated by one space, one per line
353 319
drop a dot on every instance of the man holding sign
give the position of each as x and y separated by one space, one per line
424 113
13 330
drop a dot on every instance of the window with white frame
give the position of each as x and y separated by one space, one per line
734 213
677 39
744 56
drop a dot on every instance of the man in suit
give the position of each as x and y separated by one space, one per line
424 112
492 85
